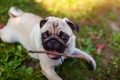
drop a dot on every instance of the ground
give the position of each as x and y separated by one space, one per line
99 22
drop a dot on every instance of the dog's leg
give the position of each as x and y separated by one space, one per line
50 74
90 61
7 35
48 69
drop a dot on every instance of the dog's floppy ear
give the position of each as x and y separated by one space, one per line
42 22
72 25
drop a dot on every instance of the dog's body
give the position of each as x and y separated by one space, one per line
27 28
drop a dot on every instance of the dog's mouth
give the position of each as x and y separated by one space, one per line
51 56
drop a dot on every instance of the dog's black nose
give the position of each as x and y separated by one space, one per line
52 43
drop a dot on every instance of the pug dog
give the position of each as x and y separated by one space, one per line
50 34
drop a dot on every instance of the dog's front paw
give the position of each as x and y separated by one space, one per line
91 64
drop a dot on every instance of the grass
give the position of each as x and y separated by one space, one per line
92 16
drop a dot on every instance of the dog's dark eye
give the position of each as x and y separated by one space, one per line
64 36
45 35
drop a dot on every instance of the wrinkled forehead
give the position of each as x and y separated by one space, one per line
55 25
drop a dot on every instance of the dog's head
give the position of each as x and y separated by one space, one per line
56 34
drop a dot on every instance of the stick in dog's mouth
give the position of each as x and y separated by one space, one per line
90 67
60 54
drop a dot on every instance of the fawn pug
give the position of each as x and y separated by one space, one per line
50 34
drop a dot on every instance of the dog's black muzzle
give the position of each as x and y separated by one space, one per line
55 46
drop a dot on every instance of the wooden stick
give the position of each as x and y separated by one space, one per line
60 54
